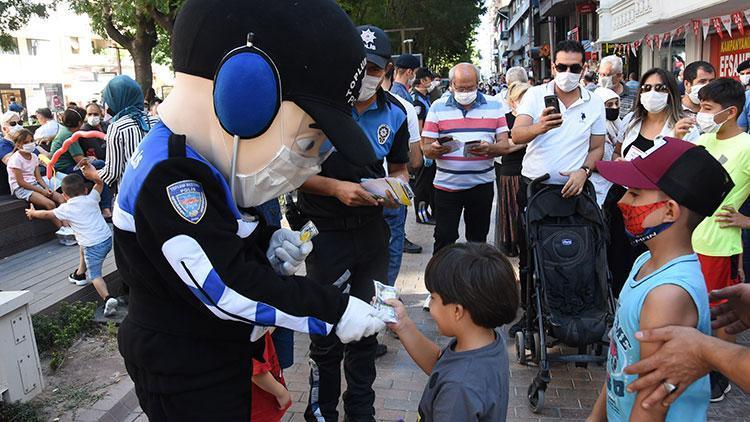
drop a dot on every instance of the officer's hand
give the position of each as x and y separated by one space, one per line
390 201
354 195
734 313
359 320
287 252
549 120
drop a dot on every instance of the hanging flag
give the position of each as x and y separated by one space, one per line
696 27
665 36
657 41
726 20
738 20
717 27
747 15
706 23
634 49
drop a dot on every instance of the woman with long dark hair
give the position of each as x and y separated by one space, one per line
656 113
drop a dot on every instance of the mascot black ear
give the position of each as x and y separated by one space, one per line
247 91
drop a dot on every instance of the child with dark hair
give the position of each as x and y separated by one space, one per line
81 211
718 243
25 180
671 188
473 291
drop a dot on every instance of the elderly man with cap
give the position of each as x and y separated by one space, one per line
242 125
353 240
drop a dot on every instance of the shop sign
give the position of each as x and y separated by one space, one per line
728 53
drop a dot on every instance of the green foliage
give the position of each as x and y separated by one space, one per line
21 412
14 14
55 333
448 26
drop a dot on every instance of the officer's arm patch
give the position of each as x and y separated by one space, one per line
188 199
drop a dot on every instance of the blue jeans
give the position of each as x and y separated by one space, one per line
106 197
396 219
94 257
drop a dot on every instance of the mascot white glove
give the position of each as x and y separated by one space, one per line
359 320
287 252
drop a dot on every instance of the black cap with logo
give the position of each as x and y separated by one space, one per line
313 43
377 44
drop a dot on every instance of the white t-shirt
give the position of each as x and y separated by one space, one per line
27 167
85 218
47 130
565 148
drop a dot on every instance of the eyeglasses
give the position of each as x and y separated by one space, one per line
657 88
574 68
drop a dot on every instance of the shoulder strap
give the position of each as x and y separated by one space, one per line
177 148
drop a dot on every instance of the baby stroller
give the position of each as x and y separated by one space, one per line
569 298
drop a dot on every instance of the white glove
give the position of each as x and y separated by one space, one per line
359 320
287 252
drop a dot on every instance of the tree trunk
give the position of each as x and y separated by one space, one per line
140 49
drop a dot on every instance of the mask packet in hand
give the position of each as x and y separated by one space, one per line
383 293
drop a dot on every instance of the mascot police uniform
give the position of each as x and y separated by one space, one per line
259 87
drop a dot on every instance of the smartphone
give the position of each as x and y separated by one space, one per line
444 139
468 147
552 101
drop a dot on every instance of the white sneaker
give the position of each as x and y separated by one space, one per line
110 307
426 305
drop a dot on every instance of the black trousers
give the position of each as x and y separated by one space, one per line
424 191
364 252
474 203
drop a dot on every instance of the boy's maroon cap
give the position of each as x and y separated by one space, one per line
687 173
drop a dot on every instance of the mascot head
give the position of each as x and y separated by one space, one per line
261 85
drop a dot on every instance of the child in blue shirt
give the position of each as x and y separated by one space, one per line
671 188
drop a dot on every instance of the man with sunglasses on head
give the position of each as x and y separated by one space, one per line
564 145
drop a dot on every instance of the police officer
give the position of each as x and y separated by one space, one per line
205 277
354 237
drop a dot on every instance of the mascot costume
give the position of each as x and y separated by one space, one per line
260 86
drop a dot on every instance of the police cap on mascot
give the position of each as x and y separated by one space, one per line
260 86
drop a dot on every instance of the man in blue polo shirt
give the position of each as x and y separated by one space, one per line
353 239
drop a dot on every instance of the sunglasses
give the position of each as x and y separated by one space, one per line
13 123
574 68
657 88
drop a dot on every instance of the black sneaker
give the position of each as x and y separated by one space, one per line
381 350
77 279
720 386
410 247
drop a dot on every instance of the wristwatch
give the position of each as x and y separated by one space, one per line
587 170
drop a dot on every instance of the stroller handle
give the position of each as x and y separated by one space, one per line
531 188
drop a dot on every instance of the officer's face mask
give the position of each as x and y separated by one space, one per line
298 157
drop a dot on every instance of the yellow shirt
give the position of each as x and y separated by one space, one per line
734 154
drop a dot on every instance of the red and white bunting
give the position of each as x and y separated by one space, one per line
696 27
706 24
657 41
726 20
738 20
667 35
717 27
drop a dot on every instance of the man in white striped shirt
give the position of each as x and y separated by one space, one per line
463 132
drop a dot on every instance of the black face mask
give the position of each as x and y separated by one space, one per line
612 113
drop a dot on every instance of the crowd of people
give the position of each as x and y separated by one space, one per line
670 171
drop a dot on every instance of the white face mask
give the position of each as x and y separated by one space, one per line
14 129
285 173
465 98
567 81
94 120
606 82
653 101
706 122
745 79
693 95
433 85
30 147
369 87
412 79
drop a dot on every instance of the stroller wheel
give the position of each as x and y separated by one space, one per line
536 398
520 348
537 356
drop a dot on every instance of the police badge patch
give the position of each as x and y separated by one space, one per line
383 132
188 199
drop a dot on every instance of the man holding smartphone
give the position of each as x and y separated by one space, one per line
564 141
463 132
